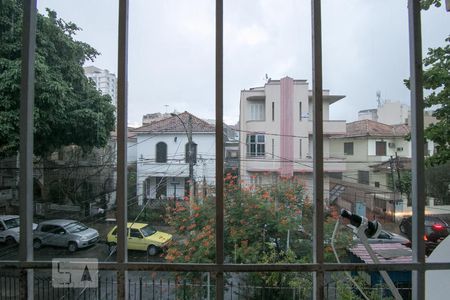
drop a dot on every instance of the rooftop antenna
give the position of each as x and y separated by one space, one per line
166 106
379 98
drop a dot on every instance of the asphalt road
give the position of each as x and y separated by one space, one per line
99 251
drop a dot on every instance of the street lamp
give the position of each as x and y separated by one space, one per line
190 159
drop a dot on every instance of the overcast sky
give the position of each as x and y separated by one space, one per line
171 49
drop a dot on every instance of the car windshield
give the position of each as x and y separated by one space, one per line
75 227
12 223
147 231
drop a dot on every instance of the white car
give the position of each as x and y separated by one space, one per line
10 229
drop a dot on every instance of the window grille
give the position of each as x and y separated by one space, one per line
26 262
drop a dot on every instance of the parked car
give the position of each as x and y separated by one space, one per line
385 237
436 230
141 237
64 233
10 229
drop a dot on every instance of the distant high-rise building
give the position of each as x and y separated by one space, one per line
105 81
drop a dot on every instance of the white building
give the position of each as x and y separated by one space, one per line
368 143
162 156
388 112
276 132
105 81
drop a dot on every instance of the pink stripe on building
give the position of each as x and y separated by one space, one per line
286 127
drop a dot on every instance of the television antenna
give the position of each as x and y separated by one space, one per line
379 98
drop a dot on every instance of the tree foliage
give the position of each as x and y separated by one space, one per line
262 224
68 109
436 79
426 4
437 181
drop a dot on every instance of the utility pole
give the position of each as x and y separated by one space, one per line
391 165
190 158
191 164
397 167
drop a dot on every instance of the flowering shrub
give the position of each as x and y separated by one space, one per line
255 218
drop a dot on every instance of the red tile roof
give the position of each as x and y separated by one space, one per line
173 124
372 128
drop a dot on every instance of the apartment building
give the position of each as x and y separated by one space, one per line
105 81
276 132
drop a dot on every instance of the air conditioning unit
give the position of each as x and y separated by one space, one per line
391 145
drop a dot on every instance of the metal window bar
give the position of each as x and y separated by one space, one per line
122 114
318 258
417 138
26 263
219 149
26 145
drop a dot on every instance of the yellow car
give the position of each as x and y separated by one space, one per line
141 237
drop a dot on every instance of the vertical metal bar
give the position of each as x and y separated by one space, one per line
219 148
122 104
99 288
26 146
140 288
417 145
316 30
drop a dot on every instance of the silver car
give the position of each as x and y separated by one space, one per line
10 229
64 233
389 237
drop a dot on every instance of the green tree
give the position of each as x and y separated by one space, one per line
437 181
436 81
403 185
266 224
68 108
426 4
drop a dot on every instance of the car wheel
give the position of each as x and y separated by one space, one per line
10 241
152 250
72 247
37 244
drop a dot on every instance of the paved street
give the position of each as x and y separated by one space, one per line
99 250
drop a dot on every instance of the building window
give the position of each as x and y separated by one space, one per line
161 152
255 145
257 111
273 148
363 177
300 149
194 153
380 148
348 148
273 111
299 111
